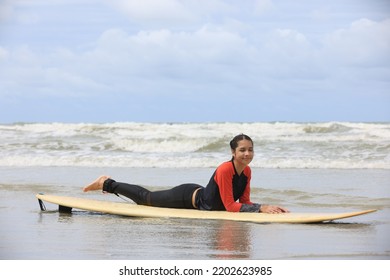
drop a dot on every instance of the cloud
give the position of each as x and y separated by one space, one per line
159 47
176 14
263 6
149 10
180 50
211 56
22 11
3 54
205 56
6 10
127 63
365 43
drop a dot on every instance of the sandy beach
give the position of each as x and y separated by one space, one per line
29 233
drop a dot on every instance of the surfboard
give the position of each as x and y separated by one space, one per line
133 210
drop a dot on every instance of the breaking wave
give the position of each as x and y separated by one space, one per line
277 145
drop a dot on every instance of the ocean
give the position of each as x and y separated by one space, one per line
195 145
306 167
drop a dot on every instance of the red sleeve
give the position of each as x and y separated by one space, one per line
245 198
224 179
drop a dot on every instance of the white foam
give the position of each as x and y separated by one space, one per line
277 145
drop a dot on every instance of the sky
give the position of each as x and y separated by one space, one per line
194 60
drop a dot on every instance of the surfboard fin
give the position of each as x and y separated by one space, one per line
61 208
41 204
64 209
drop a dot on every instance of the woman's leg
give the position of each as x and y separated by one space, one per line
136 193
177 197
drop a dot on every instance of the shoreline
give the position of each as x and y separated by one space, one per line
28 233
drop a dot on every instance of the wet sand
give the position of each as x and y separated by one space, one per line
30 234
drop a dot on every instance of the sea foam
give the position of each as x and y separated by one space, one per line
277 145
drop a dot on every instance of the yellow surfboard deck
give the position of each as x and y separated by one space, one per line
133 210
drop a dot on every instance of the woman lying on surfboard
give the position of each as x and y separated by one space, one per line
230 183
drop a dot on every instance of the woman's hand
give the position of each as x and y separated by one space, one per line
271 209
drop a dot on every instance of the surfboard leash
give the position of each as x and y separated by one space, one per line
126 200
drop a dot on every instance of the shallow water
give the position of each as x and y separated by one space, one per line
28 233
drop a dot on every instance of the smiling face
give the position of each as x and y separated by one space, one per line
243 154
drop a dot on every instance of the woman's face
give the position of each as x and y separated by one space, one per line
244 153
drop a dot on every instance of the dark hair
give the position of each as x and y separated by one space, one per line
238 138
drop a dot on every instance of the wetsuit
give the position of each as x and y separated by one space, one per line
225 188
221 193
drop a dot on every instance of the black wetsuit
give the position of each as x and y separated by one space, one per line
221 193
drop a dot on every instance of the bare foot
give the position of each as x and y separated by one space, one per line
96 185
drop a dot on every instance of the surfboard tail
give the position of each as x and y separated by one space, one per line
41 204
61 208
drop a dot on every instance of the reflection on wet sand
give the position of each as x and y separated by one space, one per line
232 240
